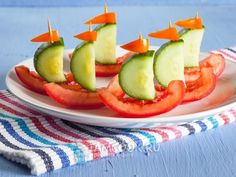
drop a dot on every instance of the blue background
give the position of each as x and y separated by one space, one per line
71 3
212 153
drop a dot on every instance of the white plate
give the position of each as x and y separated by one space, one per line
223 98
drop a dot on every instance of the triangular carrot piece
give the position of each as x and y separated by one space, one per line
140 45
109 17
192 23
87 36
45 37
170 33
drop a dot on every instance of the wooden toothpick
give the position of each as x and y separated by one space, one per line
105 8
50 30
140 35
170 24
90 27
197 15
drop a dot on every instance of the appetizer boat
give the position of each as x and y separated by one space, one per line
48 58
82 64
169 58
48 62
136 75
192 35
105 45
136 80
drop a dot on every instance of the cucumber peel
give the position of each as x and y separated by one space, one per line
48 61
192 43
82 65
136 76
105 44
169 62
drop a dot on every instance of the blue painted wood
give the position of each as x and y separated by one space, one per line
207 154
78 3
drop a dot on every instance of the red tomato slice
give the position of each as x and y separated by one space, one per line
201 87
114 87
110 70
73 98
107 70
215 61
70 77
129 107
36 83
191 74
124 57
30 79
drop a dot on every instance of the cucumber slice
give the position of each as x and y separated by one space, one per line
82 65
192 43
169 62
105 45
48 61
136 76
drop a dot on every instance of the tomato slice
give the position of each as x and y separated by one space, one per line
36 83
215 61
124 57
30 79
201 87
191 74
70 77
109 70
114 87
73 96
129 107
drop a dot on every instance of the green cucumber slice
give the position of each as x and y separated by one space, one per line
169 62
105 45
192 43
136 76
82 65
48 61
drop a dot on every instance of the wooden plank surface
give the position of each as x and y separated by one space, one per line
207 154
79 3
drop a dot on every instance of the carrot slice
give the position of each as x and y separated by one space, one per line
109 17
192 23
45 37
140 45
87 36
169 33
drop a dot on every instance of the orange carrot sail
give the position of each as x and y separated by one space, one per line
170 33
87 35
192 23
140 45
106 17
51 36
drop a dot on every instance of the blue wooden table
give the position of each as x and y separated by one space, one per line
212 153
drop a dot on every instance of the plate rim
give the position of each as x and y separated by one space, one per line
169 119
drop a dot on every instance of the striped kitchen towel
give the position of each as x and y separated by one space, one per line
45 143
